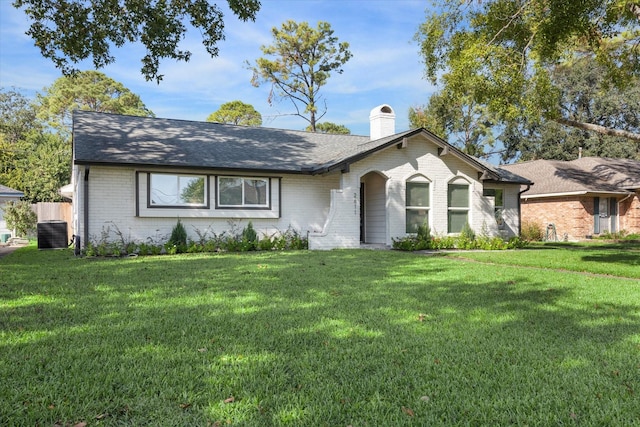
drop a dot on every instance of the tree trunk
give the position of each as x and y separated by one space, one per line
312 121
599 129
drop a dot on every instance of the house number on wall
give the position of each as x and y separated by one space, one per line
355 204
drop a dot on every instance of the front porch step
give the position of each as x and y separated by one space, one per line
374 246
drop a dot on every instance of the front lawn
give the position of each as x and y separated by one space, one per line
317 339
620 259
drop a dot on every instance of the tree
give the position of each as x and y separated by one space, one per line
47 168
20 216
586 95
17 115
303 59
35 146
501 52
458 120
328 127
236 113
86 90
17 122
71 31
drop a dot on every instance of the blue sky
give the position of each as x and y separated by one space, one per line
385 68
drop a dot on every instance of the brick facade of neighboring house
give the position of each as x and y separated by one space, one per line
581 198
575 220
630 213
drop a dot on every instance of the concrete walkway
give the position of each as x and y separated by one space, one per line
5 250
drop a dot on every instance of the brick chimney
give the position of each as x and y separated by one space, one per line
382 122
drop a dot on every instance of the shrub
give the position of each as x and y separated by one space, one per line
249 241
231 241
531 231
20 216
619 235
424 232
265 244
178 235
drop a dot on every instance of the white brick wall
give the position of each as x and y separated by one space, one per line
304 207
326 207
419 157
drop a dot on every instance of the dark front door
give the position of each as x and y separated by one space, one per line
613 212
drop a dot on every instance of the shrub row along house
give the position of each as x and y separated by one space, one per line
139 175
582 198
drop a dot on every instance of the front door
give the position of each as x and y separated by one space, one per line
373 215
613 212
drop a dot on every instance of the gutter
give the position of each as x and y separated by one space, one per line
575 193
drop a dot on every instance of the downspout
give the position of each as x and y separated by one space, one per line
618 210
86 206
520 208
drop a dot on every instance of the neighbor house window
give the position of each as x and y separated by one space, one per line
238 192
498 203
177 190
458 206
417 204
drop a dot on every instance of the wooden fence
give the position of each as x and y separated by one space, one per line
50 211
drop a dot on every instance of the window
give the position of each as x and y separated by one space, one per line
417 205
177 190
498 203
236 192
458 207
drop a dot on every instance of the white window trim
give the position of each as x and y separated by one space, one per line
422 180
460 182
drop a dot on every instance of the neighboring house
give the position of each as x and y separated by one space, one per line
581 198
138 175
6 195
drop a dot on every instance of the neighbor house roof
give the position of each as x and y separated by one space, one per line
581 176
9 192
110 139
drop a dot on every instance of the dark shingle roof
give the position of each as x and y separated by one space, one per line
100 138
586 175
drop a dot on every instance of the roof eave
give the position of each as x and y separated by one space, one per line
142 165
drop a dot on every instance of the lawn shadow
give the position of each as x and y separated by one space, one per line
621 258
333 338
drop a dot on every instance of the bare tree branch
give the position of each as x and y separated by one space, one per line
598 129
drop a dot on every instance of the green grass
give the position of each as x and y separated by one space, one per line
318 338
621 259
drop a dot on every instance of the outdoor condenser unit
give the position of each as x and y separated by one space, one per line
52 235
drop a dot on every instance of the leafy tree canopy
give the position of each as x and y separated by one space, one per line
35 149
501 52
587 96
459 120
303 59
236 113
20 216
70 31
328 127
47 168
87 90
17 115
